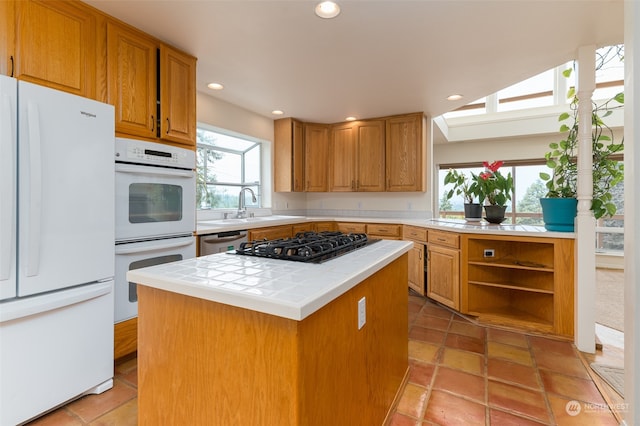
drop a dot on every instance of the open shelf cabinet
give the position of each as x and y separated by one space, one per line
522 282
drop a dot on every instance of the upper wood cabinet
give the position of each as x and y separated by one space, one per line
357 156
55 44
316 154
133 71
177 96
405 161
288 155
131 76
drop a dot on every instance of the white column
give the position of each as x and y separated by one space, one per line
631 212
585 224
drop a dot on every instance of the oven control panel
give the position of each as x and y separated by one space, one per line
153 154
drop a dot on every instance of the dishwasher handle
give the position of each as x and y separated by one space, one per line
225 238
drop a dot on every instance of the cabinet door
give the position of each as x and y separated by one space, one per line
416 268
404 161
270 233
7 37
177 96
443 284
131 76
316 154
371 156
343 158
56 45
288 155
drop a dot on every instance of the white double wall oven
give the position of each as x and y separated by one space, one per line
155 212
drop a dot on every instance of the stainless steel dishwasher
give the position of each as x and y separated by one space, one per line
221 242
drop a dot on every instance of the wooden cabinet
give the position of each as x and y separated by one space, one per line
405 153
288 153
55 45
357 156
417 257
443 267
302 227
7 37
270 233
386 231
352 228
325 226
524 282
133 74
316 154
177 96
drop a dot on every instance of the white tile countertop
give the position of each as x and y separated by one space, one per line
292 290
456 225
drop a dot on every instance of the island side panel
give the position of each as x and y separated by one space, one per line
565 287
351 376
206 363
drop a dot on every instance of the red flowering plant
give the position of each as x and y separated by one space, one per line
493 186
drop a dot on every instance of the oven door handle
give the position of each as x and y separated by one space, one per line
151 246
158 171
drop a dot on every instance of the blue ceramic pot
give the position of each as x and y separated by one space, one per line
559 214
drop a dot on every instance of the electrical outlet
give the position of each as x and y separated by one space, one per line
489 253
362 312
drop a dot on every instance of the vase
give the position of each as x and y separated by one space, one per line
559 214
472 212
494 214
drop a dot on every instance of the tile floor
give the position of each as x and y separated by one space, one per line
460 374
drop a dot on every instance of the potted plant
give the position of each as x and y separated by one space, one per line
560 204
495 189
468 188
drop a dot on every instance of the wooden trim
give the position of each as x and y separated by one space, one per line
125 335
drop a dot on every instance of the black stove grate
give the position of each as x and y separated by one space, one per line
306 246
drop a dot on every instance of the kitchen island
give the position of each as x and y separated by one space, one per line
227 339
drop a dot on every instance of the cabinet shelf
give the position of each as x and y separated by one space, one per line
513 264
513 317
512 286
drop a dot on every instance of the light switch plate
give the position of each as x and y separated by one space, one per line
362 312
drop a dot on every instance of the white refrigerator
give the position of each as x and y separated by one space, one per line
56 248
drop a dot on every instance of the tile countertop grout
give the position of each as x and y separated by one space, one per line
456 225
292 290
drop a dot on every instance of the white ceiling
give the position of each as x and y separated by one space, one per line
378 57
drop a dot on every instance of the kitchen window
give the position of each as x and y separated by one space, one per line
226 163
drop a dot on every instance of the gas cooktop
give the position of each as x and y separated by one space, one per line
306 246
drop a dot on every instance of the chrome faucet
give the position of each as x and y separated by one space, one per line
242 209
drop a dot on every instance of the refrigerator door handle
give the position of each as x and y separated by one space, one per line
35 191
38 305
7 187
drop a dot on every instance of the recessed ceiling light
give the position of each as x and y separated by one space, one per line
277 112
327 9
215 86
350 118
454 97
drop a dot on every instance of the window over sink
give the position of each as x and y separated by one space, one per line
226 163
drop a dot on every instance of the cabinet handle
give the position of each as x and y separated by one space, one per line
12 66
153 126
168 125
420 255
353 184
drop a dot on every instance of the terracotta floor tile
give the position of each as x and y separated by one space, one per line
436 311
512 372
401 420
461 383
426 334
544 344
569 365
509 353
445 409
518 400
413 400
420 373
570 387
425 352
574 413
90 407
500 418
467 329
125 415
465 343
462 360
507 337
432 322
60 417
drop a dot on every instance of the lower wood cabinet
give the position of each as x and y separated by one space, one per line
443 282
417 257
270 233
